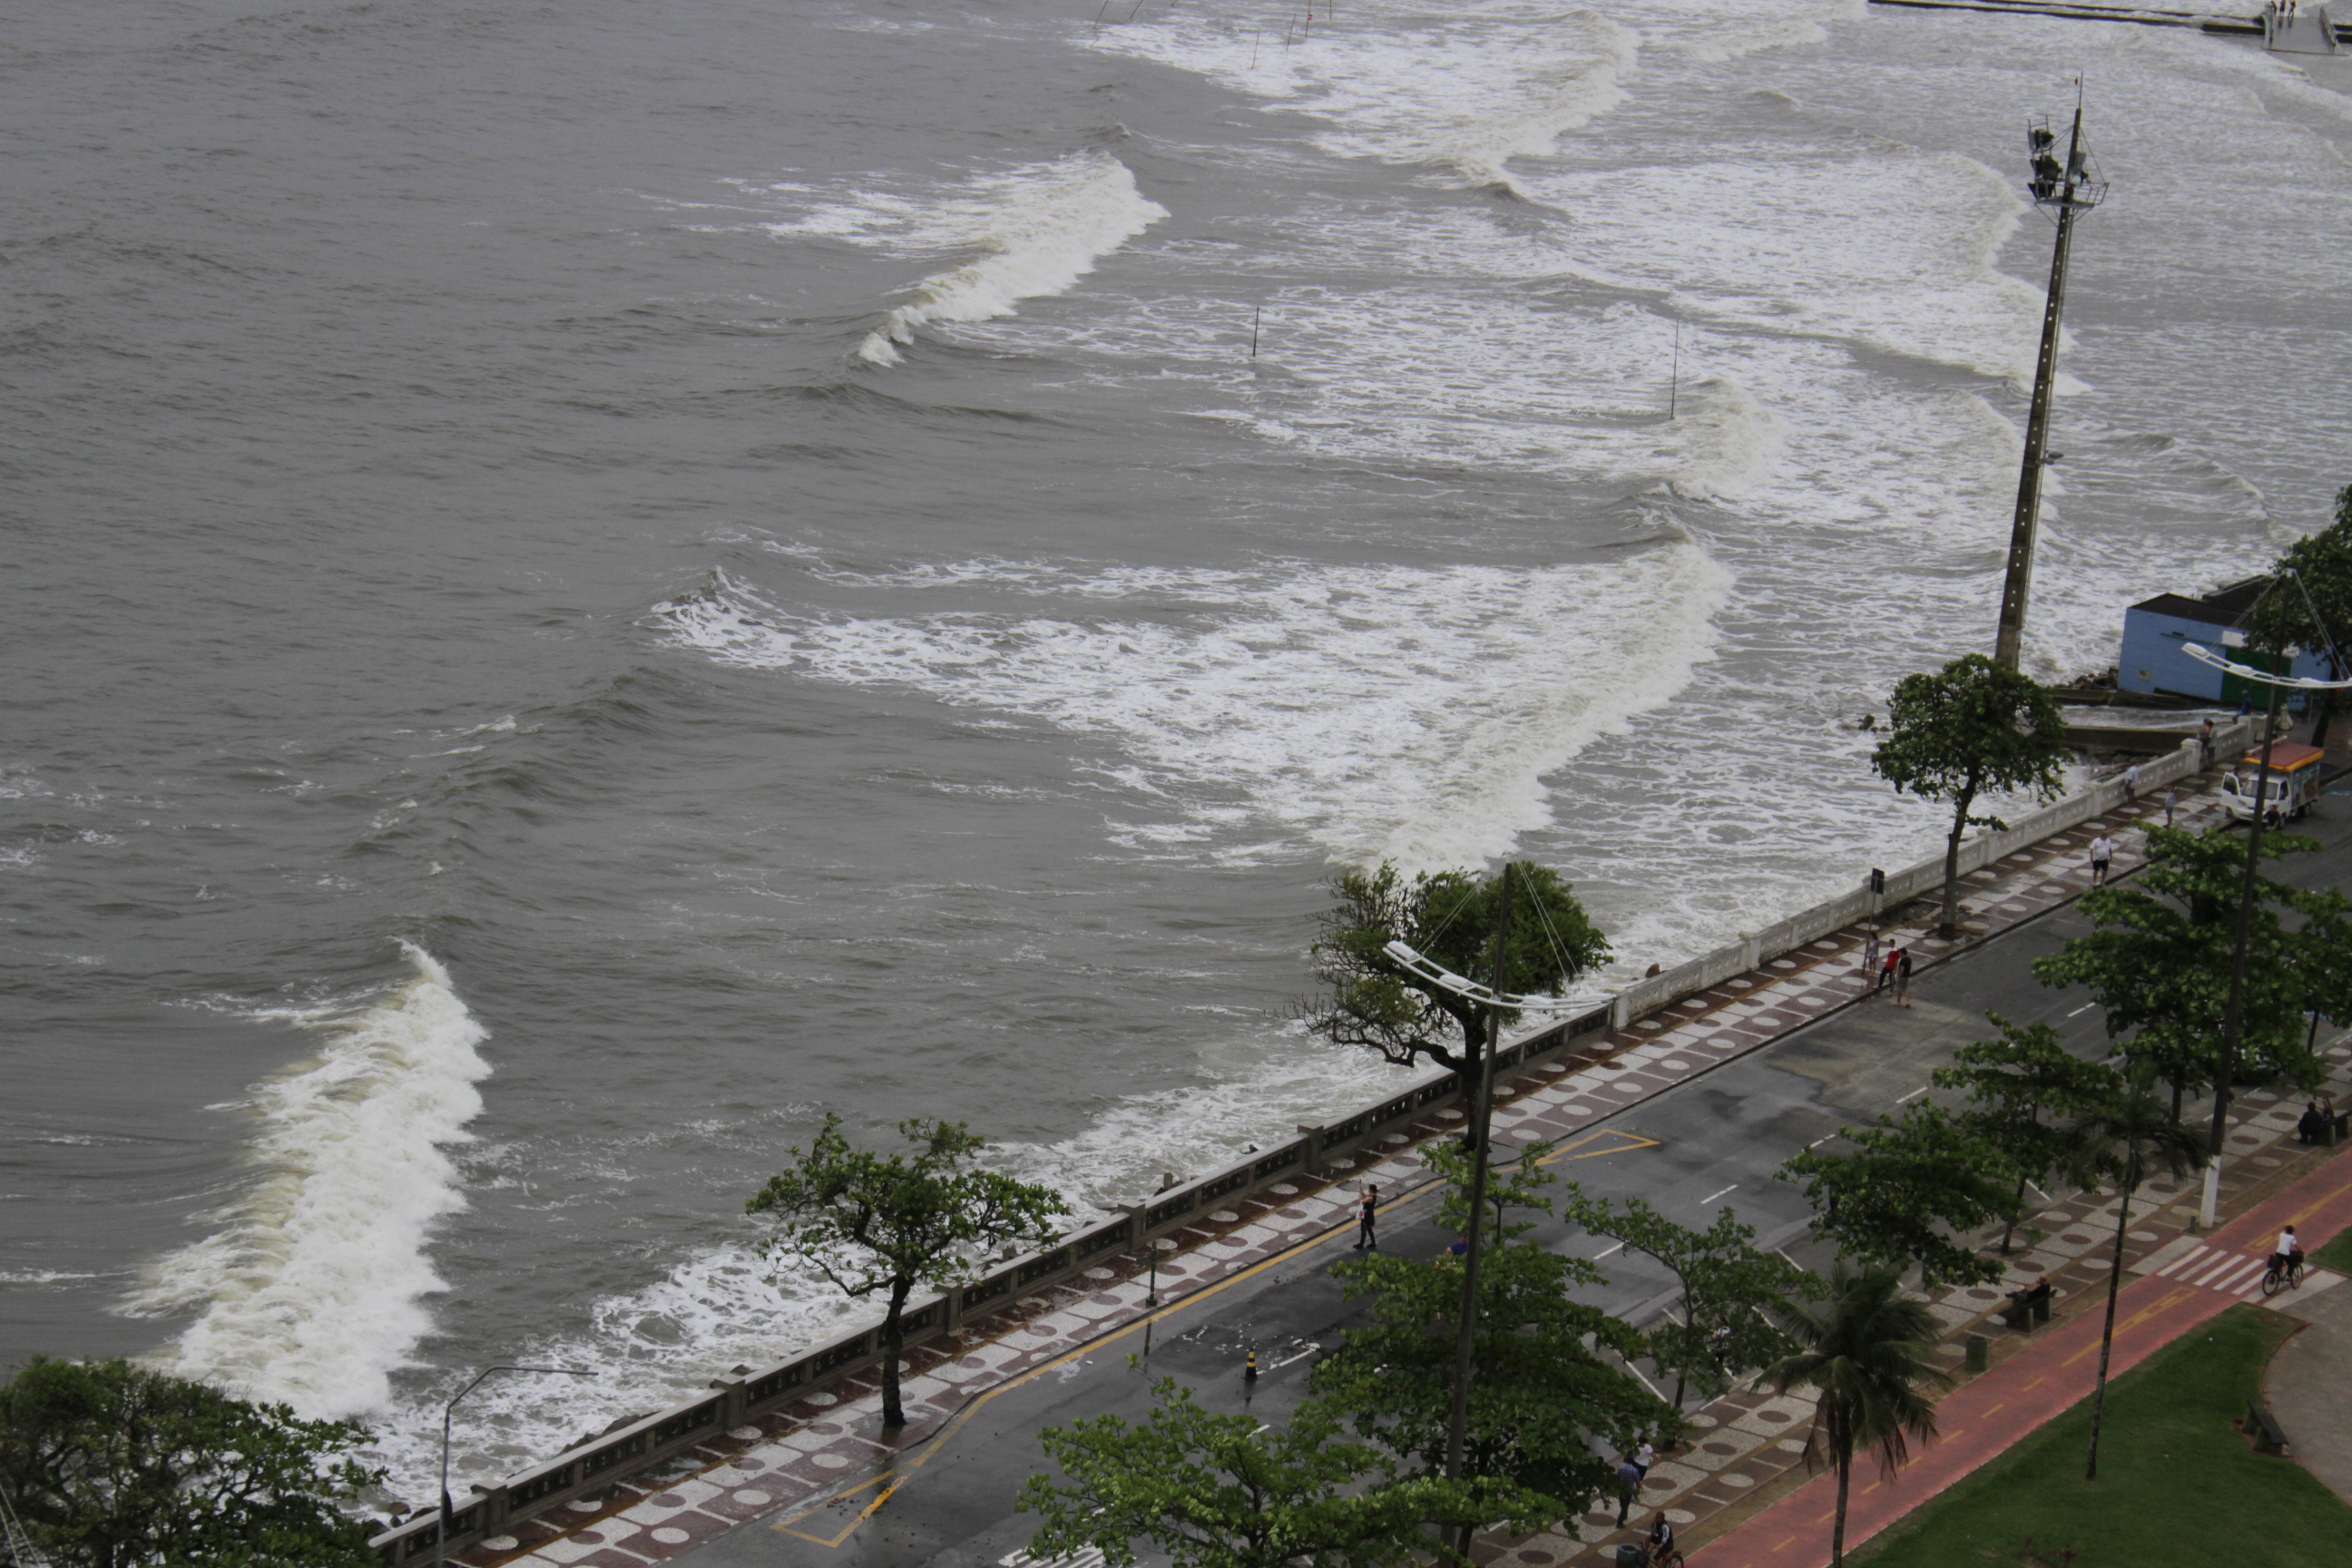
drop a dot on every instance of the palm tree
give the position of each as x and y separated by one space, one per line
1864 1353
2126 1139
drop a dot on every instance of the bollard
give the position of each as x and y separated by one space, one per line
1249 1368
1977 1349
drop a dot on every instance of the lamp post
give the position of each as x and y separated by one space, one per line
441 1525
2066 191
2209 1208
1481 1108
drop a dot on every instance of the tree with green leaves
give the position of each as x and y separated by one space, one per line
1865 1355
2309 607
2159 962
2128 1138
872 1223
1911 1192
1547 1400
1217 1490
1970 729
115 1466
1732 1289
2020 1089
1370 999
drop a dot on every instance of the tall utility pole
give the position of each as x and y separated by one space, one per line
2065 191
1457 1426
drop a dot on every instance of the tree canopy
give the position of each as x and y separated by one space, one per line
872 1223
1369 999
1911 1192
1215 1491
2310 604
2021 1089
1970 729
1552 1392
1732 1289
115 1466
2159 962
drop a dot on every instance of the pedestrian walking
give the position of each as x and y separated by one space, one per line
2102 851
1368 1209
2131 782
1870 960
2171 799
1643 1457
1903 977
1629 1486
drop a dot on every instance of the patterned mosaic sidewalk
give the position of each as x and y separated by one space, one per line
826 1445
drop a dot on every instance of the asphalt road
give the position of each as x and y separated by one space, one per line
1707 1144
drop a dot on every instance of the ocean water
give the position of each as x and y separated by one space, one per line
588 584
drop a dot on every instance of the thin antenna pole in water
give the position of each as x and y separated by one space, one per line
1255 314
1675 383
1255 35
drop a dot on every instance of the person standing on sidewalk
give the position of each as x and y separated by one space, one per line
1870 960
2102 850
1368 1209
2131 782
1903 977
2205 745
1886 965
2171 799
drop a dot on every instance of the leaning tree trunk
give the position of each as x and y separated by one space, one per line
2107 1334
1951 926
894 1346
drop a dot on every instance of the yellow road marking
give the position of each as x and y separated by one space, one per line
1577 1151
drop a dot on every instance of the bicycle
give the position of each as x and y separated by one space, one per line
2291 1276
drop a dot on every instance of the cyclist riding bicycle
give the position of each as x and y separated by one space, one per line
2289 1251
1658 1549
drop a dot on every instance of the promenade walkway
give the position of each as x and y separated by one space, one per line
822 1476
2180 1284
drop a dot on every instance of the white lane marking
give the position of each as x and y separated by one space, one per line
1712 1196
1916 1093
2083 1009
1599 1256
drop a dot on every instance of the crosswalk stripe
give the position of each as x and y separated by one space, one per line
2182 1262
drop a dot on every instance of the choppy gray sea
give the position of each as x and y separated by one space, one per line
586 584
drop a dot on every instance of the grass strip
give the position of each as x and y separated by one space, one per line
2335 1255
2177 1483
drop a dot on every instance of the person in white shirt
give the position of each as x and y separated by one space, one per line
2289 1248
2103 849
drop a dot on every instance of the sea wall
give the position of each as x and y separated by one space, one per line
748 1392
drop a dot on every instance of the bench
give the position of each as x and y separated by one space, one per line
2269 1437
2024 1316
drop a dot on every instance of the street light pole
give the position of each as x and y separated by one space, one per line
2210 1209
2072 189
1481 1101
441 1525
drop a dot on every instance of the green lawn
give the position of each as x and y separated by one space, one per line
2335 1255
2176 1484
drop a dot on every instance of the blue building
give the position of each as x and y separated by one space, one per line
2154 632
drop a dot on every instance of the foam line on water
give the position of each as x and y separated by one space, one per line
1469 87
312 1292
1026 234
1379 713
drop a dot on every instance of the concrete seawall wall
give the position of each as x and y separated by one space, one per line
748 1392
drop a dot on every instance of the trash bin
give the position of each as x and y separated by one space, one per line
1628 1555
1976 1349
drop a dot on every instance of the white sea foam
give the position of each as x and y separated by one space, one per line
1382 712
1469 87
1027 233
312 1291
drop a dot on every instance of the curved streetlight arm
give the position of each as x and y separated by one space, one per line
441 1524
